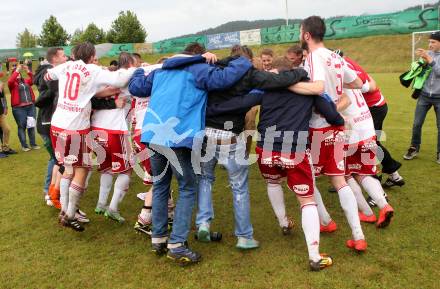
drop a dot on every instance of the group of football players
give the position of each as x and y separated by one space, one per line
316 119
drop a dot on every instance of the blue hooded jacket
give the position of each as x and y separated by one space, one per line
179 90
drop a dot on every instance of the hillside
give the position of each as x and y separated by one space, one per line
241 25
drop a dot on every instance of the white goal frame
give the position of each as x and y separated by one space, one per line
415 41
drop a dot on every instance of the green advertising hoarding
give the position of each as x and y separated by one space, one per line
177 45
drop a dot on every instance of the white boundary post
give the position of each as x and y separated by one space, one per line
414 42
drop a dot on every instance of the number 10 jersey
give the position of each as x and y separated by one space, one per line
78 83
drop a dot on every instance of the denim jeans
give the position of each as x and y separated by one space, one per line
424 104
166 162
232 158
20 115
51 163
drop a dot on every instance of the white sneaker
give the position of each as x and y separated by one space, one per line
36 147
48 201
141 196
81 217
25 149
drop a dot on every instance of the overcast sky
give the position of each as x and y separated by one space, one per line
168 18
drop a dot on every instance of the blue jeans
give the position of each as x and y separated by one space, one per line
228 156
424 104
166 162
50 164
20 115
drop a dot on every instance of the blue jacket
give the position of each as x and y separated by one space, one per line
177 108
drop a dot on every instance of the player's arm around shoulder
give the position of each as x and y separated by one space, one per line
343 102
309 88
351 79
326 107
55 72
140 85
211 77
268 80
118 78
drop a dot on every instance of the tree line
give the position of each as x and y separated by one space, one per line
126 28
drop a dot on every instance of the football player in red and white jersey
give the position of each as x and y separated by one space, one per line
361 159
111 128
329 75
378 108
360 166
79 81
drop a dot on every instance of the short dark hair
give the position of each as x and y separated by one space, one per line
314 25
267 51
52 52
72 52
194 48
242 50
114 63
137 55
125 60
85 52
296 49
282 64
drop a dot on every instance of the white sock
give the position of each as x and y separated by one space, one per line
276 197
324 216
374 190
349 205
89 175
64 193
121 188
75 193
145 215
395 176
360 199
104 189
310 225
